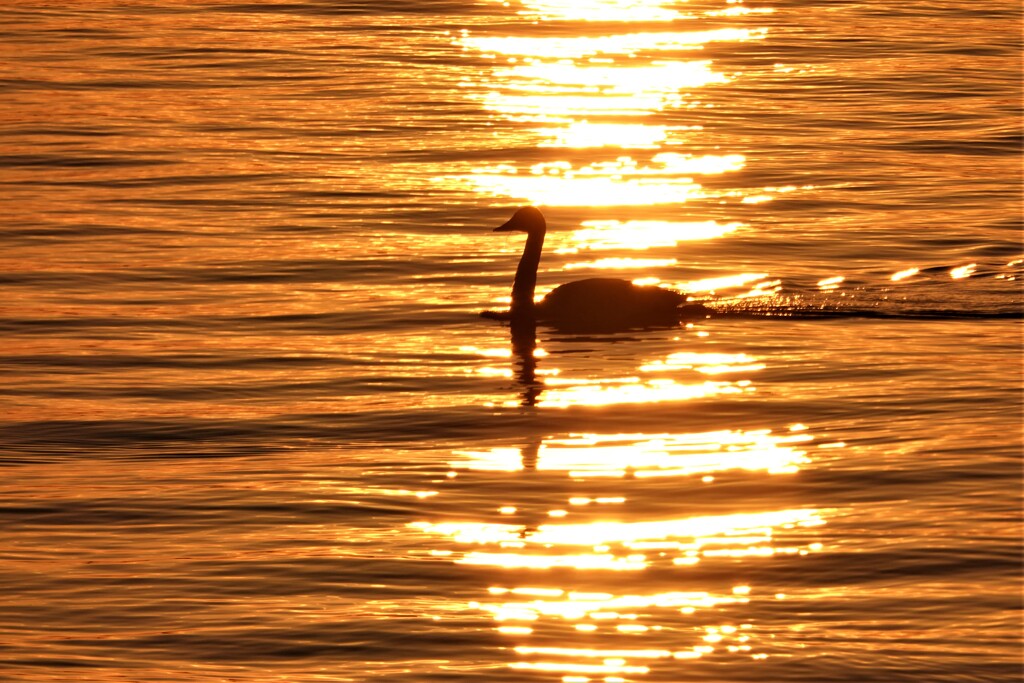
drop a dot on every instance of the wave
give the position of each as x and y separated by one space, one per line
789 312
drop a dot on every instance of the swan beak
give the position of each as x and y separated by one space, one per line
507 226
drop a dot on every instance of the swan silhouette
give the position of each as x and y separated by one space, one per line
594 304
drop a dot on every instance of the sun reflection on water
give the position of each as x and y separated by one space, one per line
595 521
584 456
624 546
680 376
577 90
620 263
561 390
657 77
596 526
600 235
961 272
558 613
904 274
706 363
600 10
666 179
617 118
621 44
583 135
567 393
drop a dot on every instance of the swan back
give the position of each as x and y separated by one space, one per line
608 304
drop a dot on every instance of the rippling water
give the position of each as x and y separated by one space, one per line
253 428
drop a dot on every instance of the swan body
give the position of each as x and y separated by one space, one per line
594 304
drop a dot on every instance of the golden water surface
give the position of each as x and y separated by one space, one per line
256 430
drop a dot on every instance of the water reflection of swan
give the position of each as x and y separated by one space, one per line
595 304
524 346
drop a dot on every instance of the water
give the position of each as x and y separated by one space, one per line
253 428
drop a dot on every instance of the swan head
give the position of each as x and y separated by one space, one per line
527 219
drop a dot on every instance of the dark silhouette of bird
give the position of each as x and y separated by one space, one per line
595 304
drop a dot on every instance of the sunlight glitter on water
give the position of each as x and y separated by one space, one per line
679 376
584 135
548 82
656 78
620 264
705 363
563 392
622 182
559 614
904 274
584 456
717 284
961 272
566 47
600 10
243 343
638 235
625 546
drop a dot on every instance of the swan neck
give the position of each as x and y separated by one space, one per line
526 274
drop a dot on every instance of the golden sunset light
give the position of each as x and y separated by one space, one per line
511 341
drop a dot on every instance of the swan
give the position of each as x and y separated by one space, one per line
595 304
